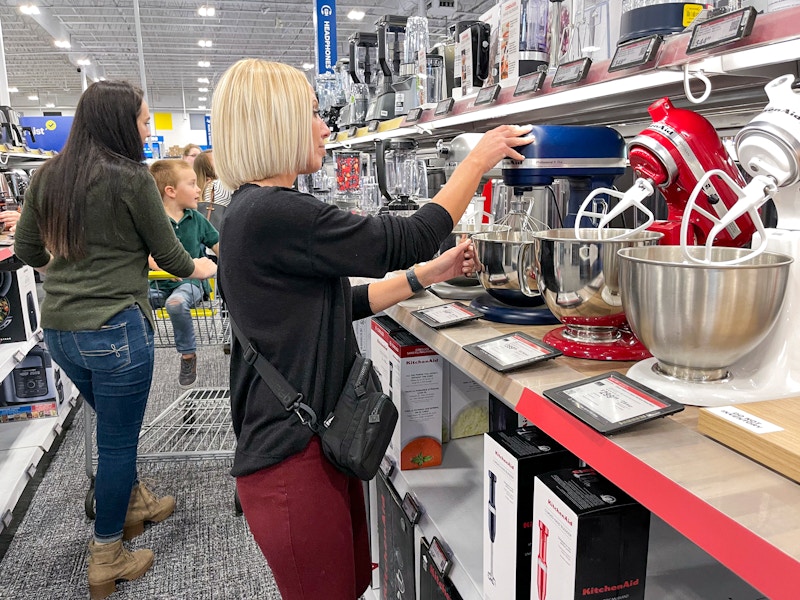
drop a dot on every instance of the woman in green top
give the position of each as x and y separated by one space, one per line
92 216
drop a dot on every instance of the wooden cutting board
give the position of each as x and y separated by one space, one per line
768 432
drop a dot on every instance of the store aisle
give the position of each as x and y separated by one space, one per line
203 551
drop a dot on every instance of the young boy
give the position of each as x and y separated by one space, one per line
177 182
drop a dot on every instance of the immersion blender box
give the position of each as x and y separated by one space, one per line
591 538
19 307
511 460
411 374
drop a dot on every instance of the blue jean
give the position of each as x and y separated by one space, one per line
112 367
179 303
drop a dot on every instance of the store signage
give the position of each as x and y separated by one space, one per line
325 24
50 132
722 30
512 351
444 107
571 72
530 83
207 122
635 53
487 95
414 115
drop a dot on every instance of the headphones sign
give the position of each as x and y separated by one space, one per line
325 24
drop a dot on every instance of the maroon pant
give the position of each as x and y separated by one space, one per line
309 520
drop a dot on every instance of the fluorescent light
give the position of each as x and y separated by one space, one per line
84 62
202 89
49 105
202 80
62 44
33 97
204 43
29 9
13 90
203 63
206 11
308 66
201 107
202 98
356 15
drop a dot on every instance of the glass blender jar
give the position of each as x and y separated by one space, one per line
398 173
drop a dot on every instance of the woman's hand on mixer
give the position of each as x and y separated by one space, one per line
458 261
497 144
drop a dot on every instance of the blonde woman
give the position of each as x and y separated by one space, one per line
284 273
190 152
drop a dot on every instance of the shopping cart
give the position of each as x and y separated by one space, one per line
209 318
197 426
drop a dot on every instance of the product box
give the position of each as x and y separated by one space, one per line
503 417
508 42
590 538
465 407
411 374
492 17
433 584
363 330
19 307
31 391
396 544
511 460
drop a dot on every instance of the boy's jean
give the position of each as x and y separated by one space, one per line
178 304
112 367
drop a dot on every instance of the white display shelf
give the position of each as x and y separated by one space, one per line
14 353
17 467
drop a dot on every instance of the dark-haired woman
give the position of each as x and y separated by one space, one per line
92 216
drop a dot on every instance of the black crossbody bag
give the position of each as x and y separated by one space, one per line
357 432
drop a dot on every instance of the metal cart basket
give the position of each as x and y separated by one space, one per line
209 317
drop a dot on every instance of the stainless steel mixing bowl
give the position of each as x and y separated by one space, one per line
697 320
497 254
578 278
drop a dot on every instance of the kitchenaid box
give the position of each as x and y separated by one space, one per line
411 374
590 539
511 460
19 308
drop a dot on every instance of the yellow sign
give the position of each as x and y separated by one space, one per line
50 125
690 12
163 121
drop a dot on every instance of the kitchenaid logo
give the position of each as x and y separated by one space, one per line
566 518
590 591
786 111
504 460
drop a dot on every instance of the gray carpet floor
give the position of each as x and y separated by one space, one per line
203 551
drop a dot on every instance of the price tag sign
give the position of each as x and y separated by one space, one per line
387 466
612 402
411 508
446 315
530 83
444 107
414 115
439 556
333 136
487 95
352 131
373 126
722 30
512 351
571 72
635 53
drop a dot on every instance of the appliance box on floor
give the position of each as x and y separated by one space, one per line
466 406
590 539
411 374
19 307
511 460
396 544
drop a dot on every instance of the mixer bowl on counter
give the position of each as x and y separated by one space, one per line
497 254
578 278
695 319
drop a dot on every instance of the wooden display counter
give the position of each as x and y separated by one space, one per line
743 514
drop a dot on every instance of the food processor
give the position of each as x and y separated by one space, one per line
719 320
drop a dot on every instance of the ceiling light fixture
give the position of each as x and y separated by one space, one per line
33 98
201 107
62 44
84 62
308 66
49 105
202 80
356 15
206 11
203 63
202 89
29 9
13 90
202 98
205 43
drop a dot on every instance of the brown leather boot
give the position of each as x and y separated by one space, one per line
111 562
145 506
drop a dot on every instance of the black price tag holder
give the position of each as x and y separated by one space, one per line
333 136
414 115
373 126
571 72
443 107
636 53
387 466
446 315
440 557
612 402
411 508
487 95
528 84
351 133
512 351
722 30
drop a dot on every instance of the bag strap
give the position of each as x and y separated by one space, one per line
283 390
210 208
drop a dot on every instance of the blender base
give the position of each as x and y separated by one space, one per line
494 310
626 347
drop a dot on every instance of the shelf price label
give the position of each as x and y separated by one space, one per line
722 30
411 508
414 115
443 107
512 351
572 72
373 125
528 84
487 95
352 131
333 136
635 53
439 556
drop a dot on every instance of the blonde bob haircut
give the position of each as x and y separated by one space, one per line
262 118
